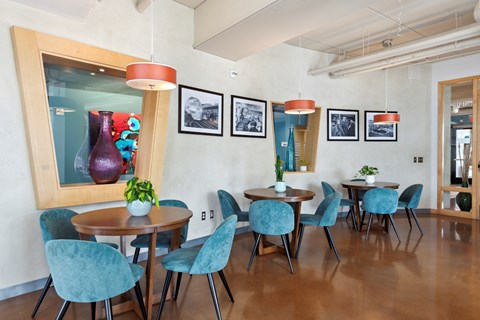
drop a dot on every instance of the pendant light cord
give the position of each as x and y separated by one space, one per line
386 90
151 26
300 70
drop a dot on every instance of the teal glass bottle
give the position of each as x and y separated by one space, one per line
290 163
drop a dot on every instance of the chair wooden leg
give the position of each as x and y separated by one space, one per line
284 240
332 243
138 293
93 309
135 255
177 287
370 218
214 296
394 227
414 214
108 309
354 220
300 237
225 284
408 216
254 251
168 279
63 310
42 295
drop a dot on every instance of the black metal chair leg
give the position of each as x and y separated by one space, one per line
214 296
287 251
225 284
177 288
42 295
414 214
369 224
408 216
138 293
63 310
330 237
394 227
300 237
108 309
135 255
168 278
254 251
361 222
354 220
93 307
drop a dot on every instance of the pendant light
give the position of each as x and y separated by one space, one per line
386 117
300 106
150 75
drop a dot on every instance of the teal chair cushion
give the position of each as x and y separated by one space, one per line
326 213
229 206
85 271
410 197
380 201
271 217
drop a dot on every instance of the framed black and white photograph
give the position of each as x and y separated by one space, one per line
200 111
249 117
377 131
342 125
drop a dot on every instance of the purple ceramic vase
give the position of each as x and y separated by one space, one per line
105 162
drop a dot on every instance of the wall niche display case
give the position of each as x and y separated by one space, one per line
63 85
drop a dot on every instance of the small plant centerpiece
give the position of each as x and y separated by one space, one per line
303 164
280 185
369 173
140 194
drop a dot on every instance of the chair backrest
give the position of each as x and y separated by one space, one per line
327 189
380 201
411 196
271 217
328 209
228 204
85 271
56 224
178 204
215 252
360 192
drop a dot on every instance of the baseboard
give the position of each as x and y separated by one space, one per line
35 285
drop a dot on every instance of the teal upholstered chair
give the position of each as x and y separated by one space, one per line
212 257
380 201
229 206
409 200
86 271
56 224
271 217
163 238
325 216
328 190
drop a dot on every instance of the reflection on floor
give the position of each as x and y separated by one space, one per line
431 277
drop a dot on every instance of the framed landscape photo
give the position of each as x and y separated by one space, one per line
200 111
249 117
377 131
342 125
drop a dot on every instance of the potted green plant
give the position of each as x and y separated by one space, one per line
303 164
369 173
140 194
280 185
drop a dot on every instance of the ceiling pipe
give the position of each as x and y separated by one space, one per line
142 5
460 34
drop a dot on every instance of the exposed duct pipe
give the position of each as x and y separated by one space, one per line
142 5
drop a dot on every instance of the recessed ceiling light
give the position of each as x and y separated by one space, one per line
101 69
92 73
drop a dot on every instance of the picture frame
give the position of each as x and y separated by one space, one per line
342 125
248 117
200 111
379 132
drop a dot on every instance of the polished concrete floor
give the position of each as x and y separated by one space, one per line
436 276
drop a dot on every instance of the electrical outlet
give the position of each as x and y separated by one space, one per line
414 159
420 159
204 215
211 214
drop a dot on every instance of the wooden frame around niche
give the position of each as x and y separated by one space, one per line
29 46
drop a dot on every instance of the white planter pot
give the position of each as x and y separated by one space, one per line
280 186
370 179
138 208
303 168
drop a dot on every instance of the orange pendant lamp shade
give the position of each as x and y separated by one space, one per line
300 106
151 76
386 118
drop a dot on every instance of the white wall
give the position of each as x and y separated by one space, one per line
442 71
196 166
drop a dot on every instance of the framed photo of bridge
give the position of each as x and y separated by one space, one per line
200 111
249 117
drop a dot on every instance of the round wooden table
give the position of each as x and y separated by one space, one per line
355 186
119 222
295 196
